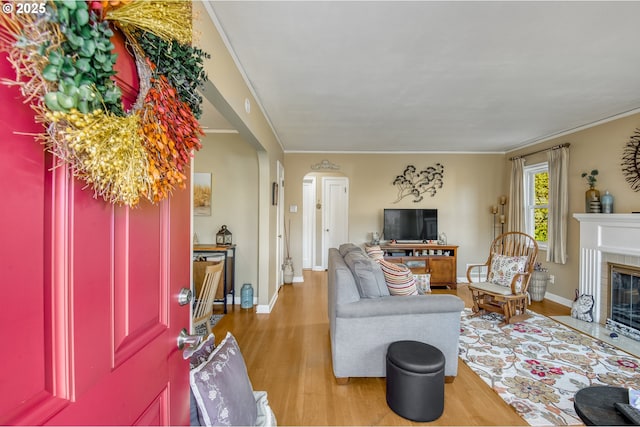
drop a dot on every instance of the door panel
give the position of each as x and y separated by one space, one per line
91 318
335 214
27 345
138 314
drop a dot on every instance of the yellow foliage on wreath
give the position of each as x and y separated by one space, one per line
123 158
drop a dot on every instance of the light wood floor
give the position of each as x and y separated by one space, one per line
288 354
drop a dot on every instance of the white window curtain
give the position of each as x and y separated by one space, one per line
515 219
558 205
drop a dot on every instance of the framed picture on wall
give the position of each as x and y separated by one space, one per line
202 194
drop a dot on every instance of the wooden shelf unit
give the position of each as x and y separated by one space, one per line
441 261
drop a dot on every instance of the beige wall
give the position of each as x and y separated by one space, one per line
472 183
233 165
599 147
227 91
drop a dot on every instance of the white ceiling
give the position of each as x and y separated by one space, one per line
423 76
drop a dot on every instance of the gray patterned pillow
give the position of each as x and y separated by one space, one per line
222 387
198 355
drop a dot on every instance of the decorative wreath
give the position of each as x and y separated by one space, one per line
631 161
62 55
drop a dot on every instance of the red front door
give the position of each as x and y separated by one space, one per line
89 316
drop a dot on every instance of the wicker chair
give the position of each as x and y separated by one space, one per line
505 289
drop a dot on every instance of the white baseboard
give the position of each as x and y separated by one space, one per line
560 300
266 309
317 268
298 279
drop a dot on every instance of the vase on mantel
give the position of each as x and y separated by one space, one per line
592 201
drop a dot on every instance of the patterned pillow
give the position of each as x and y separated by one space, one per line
198 355
374 252
503 268
222 387
399 278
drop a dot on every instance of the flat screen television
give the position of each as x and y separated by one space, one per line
410 224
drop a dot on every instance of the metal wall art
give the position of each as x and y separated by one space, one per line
631 161
415 183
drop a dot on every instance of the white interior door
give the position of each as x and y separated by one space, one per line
308 222
280 242
335 214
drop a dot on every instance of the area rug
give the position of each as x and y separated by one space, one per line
202 328
538 365
215 318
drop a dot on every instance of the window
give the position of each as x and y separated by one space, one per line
536 200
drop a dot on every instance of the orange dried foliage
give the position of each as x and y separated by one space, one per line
171 133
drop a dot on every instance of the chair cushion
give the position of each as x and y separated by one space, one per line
503 268
399 278
491 288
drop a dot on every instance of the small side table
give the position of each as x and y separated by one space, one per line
595 405
229 255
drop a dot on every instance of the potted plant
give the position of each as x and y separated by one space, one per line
592 196
539 282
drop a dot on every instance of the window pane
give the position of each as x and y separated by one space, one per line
541 188
540 222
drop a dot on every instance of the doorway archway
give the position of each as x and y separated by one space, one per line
325 216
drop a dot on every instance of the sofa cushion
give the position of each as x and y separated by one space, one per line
398 278
503 268
367 274
345 248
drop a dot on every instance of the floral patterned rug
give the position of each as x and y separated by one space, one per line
538 365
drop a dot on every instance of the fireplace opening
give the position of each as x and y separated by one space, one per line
624 313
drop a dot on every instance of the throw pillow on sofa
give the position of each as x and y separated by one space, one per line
345 248
374 252
399 278
367 274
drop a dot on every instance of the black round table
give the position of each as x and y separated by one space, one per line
595 405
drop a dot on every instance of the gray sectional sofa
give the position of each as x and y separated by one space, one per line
364 318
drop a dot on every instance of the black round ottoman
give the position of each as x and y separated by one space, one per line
415 380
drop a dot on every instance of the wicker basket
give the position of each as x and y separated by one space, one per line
538 285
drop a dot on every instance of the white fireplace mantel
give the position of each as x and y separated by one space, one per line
612 233
601 235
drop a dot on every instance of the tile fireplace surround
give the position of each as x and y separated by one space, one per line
605 238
